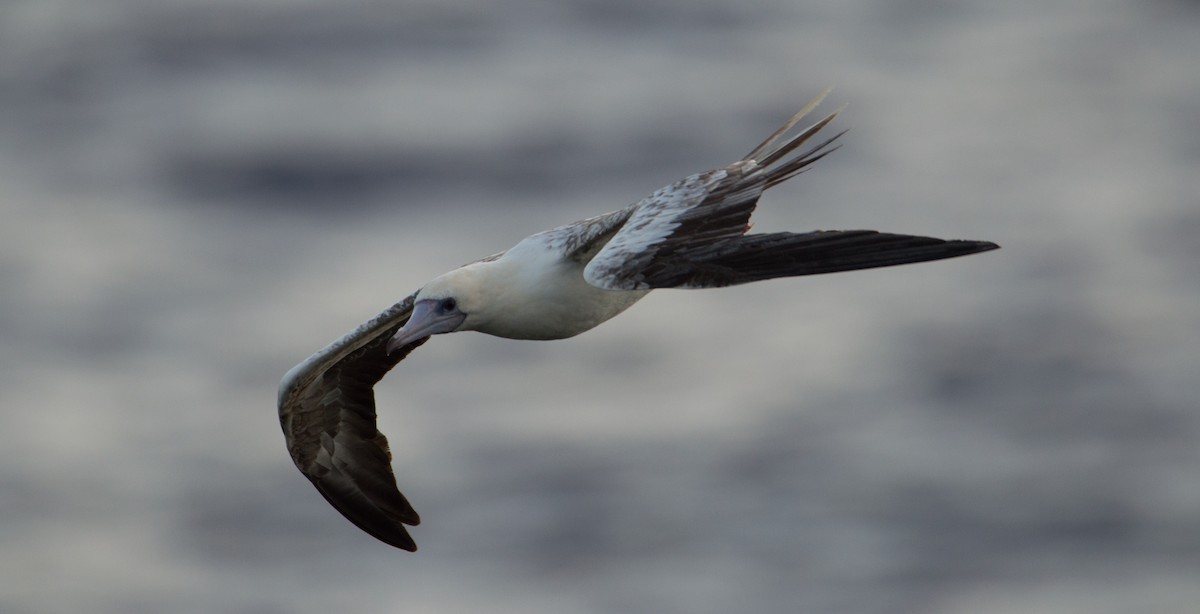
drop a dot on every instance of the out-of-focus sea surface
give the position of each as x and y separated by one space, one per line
195 195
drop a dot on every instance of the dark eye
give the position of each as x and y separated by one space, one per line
447 305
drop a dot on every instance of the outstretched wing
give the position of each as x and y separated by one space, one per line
702 209
327 410
692 234
741 260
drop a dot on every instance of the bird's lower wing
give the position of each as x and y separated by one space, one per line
327 410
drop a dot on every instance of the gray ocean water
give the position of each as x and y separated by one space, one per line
195 195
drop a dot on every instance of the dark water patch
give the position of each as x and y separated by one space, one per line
244 516
1172 240
629 15
175 38
1052 374
297 177
321 176
557 503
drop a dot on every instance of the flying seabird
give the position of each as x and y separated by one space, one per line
557 284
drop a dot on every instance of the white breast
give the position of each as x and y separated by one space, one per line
534 293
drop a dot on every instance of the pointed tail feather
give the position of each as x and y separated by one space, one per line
768 153
758 152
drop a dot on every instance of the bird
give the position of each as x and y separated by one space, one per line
555 284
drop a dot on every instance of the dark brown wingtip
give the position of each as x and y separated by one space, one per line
371 518
963 247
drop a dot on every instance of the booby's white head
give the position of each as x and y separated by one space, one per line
450 303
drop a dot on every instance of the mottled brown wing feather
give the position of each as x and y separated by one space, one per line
704 208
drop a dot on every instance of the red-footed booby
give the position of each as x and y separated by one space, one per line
557 284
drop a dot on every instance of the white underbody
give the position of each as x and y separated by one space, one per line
534 293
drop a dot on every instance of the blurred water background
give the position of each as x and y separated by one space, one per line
197 194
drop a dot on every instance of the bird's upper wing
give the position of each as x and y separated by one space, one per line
327 410
692 233
701 209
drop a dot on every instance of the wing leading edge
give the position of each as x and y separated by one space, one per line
327 411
